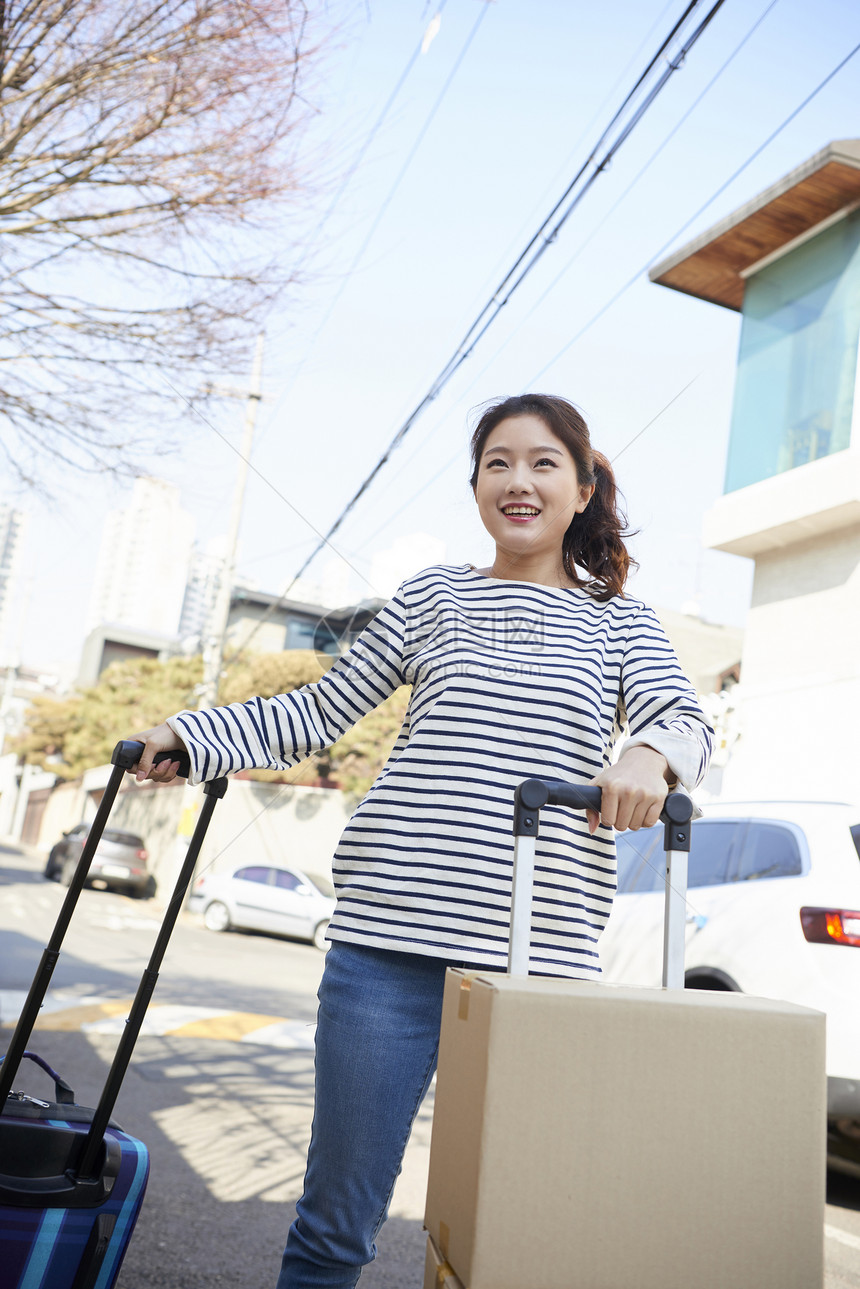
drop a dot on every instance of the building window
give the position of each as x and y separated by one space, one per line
300 634
794 392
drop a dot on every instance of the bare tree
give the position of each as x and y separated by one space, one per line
146 148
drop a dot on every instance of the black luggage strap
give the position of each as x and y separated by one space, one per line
64 1095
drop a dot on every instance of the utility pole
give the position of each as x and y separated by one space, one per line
213 645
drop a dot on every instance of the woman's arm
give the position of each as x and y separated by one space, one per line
274 733
670 740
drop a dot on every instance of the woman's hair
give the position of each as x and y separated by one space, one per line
594 537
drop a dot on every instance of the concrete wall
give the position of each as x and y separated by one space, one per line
254 823
799 695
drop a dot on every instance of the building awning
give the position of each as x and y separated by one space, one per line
714 265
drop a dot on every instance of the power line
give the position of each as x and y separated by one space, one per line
583 245
387 200
631 281
634 181
722 188
347 178
538 244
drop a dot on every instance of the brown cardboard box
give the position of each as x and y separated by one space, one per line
592 1136
437 1272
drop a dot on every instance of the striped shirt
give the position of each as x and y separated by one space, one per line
509 680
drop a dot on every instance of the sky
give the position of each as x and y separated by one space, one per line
488 128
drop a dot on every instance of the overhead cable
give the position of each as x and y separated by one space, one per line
604 308
420 48
582 246
387 200
713 197
668 58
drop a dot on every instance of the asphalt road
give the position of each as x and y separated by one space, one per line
221 1086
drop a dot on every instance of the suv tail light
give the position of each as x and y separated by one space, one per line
831 926
141 855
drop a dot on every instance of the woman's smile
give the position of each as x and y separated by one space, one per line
520 514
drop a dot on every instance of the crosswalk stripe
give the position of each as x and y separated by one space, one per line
108 1016
843 1237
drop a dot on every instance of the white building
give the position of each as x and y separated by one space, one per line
201 591
12 529
144 562
789 261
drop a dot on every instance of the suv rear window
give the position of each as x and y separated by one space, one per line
123 838
641 863
770 850
721 851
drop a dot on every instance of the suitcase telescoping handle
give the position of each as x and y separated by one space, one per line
125 756
530 797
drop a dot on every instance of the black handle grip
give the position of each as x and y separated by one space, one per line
127 754
532 794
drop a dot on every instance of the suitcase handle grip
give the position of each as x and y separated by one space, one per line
530 797
127 754
532 794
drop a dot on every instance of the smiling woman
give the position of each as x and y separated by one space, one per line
531 667
548 500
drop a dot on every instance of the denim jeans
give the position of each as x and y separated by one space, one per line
377 1042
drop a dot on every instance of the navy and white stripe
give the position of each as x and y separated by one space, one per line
509 679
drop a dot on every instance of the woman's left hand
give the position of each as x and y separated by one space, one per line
632 790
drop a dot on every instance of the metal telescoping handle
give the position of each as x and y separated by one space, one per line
530 797
125 755
213 790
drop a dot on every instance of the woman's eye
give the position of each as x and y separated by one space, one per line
497 461
545 461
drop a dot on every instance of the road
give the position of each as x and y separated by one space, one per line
221 1086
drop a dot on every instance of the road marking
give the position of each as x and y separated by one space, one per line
124 922
844 1237
90 1015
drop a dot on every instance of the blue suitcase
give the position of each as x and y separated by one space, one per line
71 1181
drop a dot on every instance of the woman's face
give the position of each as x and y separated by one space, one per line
527 488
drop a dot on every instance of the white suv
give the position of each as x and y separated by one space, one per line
773 910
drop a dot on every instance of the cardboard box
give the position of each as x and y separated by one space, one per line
591 1136
438 1273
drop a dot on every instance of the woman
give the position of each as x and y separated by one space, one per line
531 666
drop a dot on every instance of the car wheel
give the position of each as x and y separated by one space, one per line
216 917
52 869
319 935
67 872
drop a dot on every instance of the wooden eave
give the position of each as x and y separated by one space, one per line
711 266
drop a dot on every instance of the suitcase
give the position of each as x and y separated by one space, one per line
598 1136
71 1181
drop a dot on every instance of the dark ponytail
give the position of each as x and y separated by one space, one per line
594 540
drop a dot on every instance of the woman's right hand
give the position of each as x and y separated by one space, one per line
159 739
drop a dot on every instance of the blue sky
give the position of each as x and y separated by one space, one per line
535 88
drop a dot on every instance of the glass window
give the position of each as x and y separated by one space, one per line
641 866
794 389
123 838
711 845
300 634
286 881
769 851
253 875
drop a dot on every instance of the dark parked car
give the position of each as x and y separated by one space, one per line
119 861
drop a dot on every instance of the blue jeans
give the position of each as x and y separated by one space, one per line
377 1042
